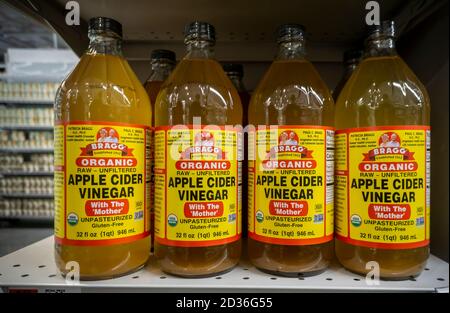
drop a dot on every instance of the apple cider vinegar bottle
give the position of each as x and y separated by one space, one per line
291 153
197 164
351 61
102 140
383 164
235 73
162 62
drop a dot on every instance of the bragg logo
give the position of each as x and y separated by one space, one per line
390 156
204 155
107 151
289 154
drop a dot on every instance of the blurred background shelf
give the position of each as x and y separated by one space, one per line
26 102
27 218
21 173
26 150
26 127
26 196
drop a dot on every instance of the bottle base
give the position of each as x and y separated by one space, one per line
184 275
198 262
103 262
293 274
290 260
385 277
106 277
393 264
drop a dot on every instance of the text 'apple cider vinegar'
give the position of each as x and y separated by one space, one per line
383 164
102 140
291 155
197 163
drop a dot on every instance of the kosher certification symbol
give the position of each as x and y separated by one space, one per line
172 220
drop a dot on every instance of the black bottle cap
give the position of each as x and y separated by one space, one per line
163 54
386 28
199 30
287 32
105 24
353 54
233 69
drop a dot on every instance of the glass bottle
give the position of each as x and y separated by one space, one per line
196 94
386 104
163 62
235 73
351 61
293 111
98 108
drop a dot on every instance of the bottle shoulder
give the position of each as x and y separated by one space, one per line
291 91
382 91
383 80
102 88
198 88
293 77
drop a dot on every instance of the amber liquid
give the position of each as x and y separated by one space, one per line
245 100
398 99
198 88
289 86
152 88
341 83
103 88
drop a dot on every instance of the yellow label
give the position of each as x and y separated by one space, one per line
383 186
197 185
101 191
290 184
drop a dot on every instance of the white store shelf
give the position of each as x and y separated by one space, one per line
33 268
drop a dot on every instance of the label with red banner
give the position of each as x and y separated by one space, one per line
383 186
101 192
197 185
291 184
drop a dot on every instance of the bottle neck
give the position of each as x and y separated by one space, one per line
161 69
237 82
199 49
291 50
380 46
350 68
105 43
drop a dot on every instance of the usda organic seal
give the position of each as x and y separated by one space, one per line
259 216
172 220
72 219
355 220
